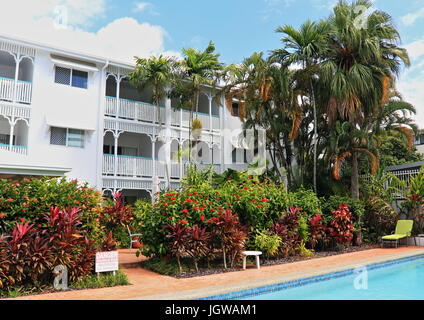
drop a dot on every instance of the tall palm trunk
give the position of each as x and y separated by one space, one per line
354 182
355 193
315 138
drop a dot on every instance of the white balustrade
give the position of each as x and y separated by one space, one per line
6 89
128 166
16 149
23 90
141 111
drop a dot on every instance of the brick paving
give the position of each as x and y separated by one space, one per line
149 285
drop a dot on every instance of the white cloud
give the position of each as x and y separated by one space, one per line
410 18
121 39
412 91
416 48
411 83
141 6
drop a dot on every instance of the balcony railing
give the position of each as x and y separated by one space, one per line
23 90
139 167
17 149
142 111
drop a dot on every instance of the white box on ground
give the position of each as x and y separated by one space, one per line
107 261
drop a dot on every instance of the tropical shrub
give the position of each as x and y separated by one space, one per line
307 200
232 236
30 199
330 204
29 255
199 244
258 205
178 236
268 243
341 226
318 232
114 217
292 230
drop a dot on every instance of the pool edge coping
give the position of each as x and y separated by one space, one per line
221 290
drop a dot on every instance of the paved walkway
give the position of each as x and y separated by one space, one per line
149 285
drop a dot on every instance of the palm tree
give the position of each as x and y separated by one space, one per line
267 99
303 48
357 66
157 73
196 70
394 115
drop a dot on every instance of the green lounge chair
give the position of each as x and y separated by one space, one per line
403 230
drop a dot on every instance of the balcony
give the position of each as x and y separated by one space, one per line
14 148
23 90
146 112
140 167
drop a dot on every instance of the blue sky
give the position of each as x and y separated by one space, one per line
124 28
239 27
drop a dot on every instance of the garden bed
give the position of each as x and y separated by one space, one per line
170 268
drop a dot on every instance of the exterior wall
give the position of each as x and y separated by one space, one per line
129 120
57 101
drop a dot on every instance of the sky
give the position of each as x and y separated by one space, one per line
122 29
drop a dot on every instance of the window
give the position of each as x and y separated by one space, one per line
5 139
67 137
70 77
122 151
235 109
79 79
234 155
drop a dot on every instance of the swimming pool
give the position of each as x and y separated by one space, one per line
401 279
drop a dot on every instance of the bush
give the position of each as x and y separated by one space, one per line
292 229
29 255
268 243
232 236
356 207
307 200
341 226
30 199
318 232
258 205
115 217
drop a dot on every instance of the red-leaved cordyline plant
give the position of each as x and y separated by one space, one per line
341 225
317 231
73 249
199 244
288 230
108 243
178 235
117 214
20 231
232 235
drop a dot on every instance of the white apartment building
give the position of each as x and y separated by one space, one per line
70 114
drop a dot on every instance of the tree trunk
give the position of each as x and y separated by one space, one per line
355 193
179 264
354 182
315 138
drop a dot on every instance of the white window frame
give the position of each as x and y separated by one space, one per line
70 77
67 139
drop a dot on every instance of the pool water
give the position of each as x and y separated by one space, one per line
400 281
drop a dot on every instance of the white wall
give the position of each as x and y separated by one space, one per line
68 104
